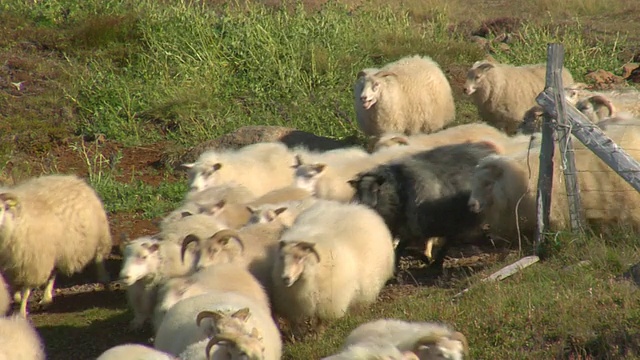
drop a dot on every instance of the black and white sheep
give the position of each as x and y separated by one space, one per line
425 195
51 224
410 95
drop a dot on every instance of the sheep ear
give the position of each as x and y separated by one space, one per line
255 333
188 165
485 66
361 73
153 248
308 248
280 210
354 183
216 166
184 214
400 140
215 209
318 168
251 209
281 244
242 314
298 161
385 73
10 200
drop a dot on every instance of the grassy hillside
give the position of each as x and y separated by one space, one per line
107 89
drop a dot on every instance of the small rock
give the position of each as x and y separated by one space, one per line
633 274
628 69
604 79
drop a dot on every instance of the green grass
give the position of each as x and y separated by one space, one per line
182 72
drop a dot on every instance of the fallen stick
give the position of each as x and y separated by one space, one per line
506 271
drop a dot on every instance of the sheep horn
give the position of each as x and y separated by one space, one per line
460 337
603 100
427 340
208 314
185 242
228 233
385 73
218 338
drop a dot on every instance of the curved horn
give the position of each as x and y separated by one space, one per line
460 337
185 242
604 101
430 339
228 233
218 338
207 314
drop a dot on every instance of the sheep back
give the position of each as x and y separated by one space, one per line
134 352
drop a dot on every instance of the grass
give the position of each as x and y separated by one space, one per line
168 75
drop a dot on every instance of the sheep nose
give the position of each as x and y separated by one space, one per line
466 91
286 280
474 206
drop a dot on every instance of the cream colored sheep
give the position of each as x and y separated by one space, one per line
134 352
410 95
19 339
220 277
331 246
503 93
51 224
260 167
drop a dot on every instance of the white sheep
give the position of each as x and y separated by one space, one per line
148 263
504 93
220 277
51 224
134 352
452 135
204 223
19 339
254 246
260 167
190 322
427 340
5 300
285 212
334 256
372 350
410 95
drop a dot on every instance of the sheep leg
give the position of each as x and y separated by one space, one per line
23 304
103 275
438 262
47 297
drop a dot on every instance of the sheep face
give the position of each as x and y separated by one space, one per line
9 207
231 334
202 176
476 75
372 88
141 259
486 174
223 247
307 175
295 256
367 189
264 216
454 347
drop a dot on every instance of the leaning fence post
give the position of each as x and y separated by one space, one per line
545 174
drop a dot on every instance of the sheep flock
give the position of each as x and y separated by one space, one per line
270 231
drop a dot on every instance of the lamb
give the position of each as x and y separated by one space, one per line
134 352
5 300
425 195
19 339
219 277
411 95
70 213
260 167
331 246
453 135
221 315
503 93
425 339
149 262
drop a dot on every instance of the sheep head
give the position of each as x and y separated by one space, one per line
488 171
294 256
264 215
591 107
475 76
224 246
238 346
372 88
202 174
9 204
307 175
367 188
432 346
141 258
